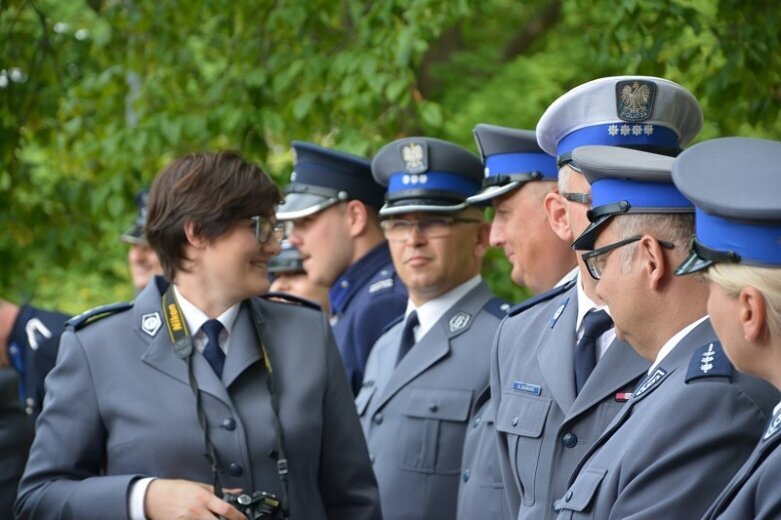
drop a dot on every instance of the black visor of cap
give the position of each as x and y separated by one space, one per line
598 217
701 257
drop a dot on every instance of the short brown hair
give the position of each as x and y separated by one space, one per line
211 190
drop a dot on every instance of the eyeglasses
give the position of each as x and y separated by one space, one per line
431 227
597 259
266 228
583 198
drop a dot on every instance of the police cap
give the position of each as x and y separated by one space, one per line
324 177
626 181
426 174
735 186
511 158
135 233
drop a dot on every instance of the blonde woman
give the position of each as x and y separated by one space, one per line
736 185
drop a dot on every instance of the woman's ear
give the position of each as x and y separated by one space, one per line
752 309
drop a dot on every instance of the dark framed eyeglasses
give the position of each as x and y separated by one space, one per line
430 227
583 198
597 259
266 228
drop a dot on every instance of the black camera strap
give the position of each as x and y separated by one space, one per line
181 339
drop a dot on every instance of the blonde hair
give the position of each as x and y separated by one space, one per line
767 280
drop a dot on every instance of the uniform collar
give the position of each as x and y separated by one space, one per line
195 318
673 342
356 276
431 311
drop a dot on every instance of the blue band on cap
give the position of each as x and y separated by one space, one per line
638 194
757 243
508 163
619 134
435 181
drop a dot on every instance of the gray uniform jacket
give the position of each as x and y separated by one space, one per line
481 490
685 432
415 416
544 429
753 492
119 407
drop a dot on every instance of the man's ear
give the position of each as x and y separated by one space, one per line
556 208
194 238
357 217
655 263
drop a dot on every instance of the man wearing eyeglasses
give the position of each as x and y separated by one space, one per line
693 419
331 205
557 375
424 374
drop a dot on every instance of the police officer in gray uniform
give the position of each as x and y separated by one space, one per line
518 175
156 408
557 376
425 373
693 420
734 184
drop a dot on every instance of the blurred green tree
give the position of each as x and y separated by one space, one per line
96 96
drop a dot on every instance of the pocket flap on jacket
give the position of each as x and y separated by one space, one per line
521 415
439 403
579 495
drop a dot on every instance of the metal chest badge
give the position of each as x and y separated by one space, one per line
459 321
151 323
415 157
635 100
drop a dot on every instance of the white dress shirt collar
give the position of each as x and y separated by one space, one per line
195 319
431 311
585 305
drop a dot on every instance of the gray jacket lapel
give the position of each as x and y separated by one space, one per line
436 344
555 353
244 347
618 367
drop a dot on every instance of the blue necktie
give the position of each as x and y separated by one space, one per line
407 335
595 323
213 353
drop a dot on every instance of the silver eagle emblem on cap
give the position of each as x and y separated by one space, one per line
151 323
635 100
414 157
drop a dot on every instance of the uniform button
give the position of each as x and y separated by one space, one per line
377 418
371 458
433 407
466 475
476 422
345 284
229 424
568 495
515 421
569 439
384 272
235 470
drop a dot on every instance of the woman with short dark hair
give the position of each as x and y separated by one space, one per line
200 390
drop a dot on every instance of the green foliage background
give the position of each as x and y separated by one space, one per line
97 95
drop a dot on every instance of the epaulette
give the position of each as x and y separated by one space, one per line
394 321
96 314
709 361
497 306
290 299
542 297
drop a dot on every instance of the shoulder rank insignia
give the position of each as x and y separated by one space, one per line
635 100
98 313
289 299
379 285
459 322
542 297
498 307
709 361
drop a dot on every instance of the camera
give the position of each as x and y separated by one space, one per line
257 506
